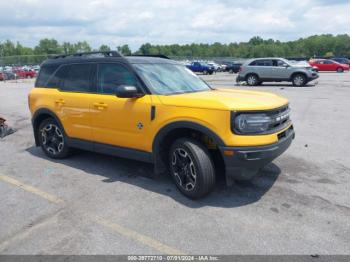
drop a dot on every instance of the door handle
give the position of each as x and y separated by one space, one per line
101 105
60 102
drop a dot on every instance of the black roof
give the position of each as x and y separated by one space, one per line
111 56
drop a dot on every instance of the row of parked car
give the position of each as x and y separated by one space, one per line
256 71
15 72
210 67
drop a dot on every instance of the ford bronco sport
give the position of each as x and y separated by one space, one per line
156 110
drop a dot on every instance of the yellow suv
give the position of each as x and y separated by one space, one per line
156 110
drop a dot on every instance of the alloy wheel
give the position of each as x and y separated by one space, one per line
251 80
298 80
52 139
184 169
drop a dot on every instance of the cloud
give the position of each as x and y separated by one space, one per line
165 21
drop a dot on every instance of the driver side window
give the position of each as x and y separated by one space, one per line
280 63
110 76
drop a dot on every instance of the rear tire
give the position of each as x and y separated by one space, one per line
340 70
299 80
52 139
192 168
252 80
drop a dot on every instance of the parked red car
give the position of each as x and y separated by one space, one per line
328 65
25 73
2 76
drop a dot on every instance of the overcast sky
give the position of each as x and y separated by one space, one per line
133 22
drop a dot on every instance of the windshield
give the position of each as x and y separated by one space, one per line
167 79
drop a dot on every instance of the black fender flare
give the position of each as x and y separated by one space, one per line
36 121
157 159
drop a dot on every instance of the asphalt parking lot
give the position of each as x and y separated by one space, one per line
97 204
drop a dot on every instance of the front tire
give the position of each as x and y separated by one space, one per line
192 168
52 139
299 80
340 70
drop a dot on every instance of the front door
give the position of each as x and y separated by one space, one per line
321 65
280 70
122 122
330 65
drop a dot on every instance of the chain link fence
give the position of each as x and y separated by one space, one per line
26 60
23 60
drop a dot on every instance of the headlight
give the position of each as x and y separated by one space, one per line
260 123
252 123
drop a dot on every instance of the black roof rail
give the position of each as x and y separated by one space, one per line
159 56
92 54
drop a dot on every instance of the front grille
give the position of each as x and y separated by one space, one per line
280 118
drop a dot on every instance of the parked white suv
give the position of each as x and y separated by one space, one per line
256 71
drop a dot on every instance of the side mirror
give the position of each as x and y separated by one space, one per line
127 92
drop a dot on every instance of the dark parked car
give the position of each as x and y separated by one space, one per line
232 67
7 76
10 75
200 67
342 60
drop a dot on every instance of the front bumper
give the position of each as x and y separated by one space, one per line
245 162
239 79
313 76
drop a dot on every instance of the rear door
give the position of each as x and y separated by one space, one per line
72 98
196 67
264 68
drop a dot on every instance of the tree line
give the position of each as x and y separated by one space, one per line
326 45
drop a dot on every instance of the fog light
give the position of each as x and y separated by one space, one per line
228 153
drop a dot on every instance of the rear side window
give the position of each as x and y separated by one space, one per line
44 75
72 78
261 63
56 81
110 76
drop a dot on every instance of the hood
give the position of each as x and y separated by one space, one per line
226 99
301 64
